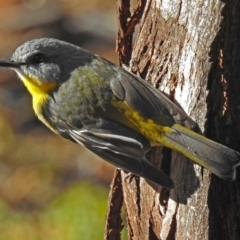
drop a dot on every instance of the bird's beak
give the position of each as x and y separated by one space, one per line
10 64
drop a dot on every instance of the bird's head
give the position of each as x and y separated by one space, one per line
45 63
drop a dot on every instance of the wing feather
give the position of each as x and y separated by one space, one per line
148 101
126 150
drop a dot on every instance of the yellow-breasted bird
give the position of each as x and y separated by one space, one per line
111 112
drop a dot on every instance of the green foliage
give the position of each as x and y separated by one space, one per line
78 213
41 195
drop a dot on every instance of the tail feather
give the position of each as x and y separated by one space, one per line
219 159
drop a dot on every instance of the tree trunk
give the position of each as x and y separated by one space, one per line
189 50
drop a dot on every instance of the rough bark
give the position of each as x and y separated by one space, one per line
114 223
190 50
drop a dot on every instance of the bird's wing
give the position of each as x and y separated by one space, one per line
148 101
120 146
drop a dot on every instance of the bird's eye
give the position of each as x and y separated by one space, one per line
39 58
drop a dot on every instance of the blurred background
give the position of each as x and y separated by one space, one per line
50 188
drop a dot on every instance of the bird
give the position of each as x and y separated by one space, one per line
112 112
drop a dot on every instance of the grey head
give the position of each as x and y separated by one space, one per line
47 59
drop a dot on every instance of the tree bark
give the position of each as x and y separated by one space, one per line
189 50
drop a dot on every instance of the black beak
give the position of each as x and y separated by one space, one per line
10 64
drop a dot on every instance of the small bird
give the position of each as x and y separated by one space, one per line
110 111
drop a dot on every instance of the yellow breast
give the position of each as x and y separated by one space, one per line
40 93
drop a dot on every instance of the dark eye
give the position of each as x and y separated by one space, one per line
39 58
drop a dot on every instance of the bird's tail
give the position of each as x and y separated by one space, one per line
219 159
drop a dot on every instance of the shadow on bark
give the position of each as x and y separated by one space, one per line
223 121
